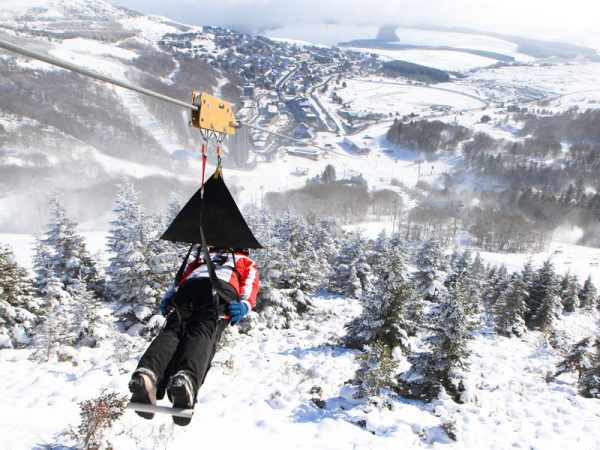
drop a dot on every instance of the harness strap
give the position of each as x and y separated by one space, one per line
182 269
214 281
235 269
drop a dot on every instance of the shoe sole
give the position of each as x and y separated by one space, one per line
180 398
141 395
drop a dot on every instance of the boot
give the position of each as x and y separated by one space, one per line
143 388
182 393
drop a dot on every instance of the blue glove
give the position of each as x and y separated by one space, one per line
166 300
237 310
164 306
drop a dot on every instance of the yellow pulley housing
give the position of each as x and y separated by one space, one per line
213 114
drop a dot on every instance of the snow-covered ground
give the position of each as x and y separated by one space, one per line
260 391
454 61
414 36
552 79
381 95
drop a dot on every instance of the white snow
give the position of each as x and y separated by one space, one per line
262 384
454 61
576 259
322 33
380 95
81 45
414 36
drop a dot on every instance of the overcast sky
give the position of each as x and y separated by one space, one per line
543 18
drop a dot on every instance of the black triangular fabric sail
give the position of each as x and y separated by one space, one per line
223 224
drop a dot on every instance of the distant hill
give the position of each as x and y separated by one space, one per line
533 47
414 72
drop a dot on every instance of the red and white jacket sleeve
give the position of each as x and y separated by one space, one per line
249 282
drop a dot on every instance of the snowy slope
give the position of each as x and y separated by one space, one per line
263 385
413 36
454 61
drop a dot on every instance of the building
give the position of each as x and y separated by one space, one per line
249 90
239 146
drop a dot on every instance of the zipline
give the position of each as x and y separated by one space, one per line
216 114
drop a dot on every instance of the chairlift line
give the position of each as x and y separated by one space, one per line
92 74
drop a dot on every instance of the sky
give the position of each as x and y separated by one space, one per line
535 18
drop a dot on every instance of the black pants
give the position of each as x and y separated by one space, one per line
190 336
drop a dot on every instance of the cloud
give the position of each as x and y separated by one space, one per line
542 17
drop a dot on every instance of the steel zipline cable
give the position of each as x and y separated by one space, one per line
98 76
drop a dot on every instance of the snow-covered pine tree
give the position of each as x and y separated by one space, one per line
385 304
528 273
379 246
431 271
351 270
499 284
132 284
543 302
576 359
376 373
473 281
588 295
569 289
463 268
18 309
509 310
84 315
327 236
295 239
63 253
174 206
164 259
589 380
55 328
276 306
446 362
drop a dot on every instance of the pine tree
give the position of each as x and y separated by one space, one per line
379 247
588 295
385 303
473 283
164 257
499 284
327 236
174 206
84 315
543 303
589 380
444 365
429 277
376 372
569 289
17 307
278 306
527 274
577 359
301 271
63 253
351 270
509 310
55 329
133 284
